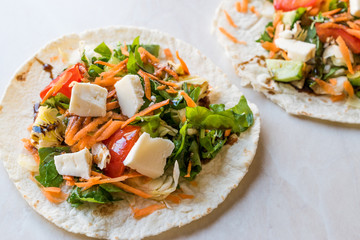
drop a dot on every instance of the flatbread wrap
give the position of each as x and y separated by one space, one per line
121 95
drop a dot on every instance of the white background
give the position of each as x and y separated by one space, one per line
304 181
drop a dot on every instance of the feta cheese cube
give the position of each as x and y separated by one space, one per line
355 7
148 155
297 50
88 100
76 164
130 94
101 155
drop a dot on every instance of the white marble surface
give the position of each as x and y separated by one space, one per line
303 183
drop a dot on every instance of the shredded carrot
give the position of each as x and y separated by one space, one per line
278 29
112 105
91 126
140 213
146 111
124 50
345 52
353 25
148 55
171 84
125 187
333 81
229 19
105 64
285 56
31 149
118 116
168 54
171 90
57 86
277 19
188 170
337 98
270 31
173 198
161 87
238 6
349 88
328 88
150 75
186 196
52 189
332 12
270 46
86 142
69 180
231 37
106 82
54 197
111 93
313 11
227 132
341 19
102 129
113 71
183 64
86 121
244 6
146 83
253 10
110 130
188 99
354 32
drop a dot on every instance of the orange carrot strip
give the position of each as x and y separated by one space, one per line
106 82
146 111
31 149
186 196
57 86
168 54
244 6
110 130
173 198
124 50
354 32
171 84
102 129
140 213
183 64
227 132
332 12
125 187
345 52
161 87
229 19
52 189
118 116
277 32
112 72
270 46
253 10
341 19
105 64
337 98
328 88
188 99
171 90
111 93
238 6
54 197
148 55
270 31
91 126
188 170
112 105
333 81
353 25
231 37
349 88
285 56
146 83
277 19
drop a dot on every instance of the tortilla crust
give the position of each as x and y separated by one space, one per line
249 64
115 221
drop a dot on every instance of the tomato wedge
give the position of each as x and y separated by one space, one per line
65 89
326 30
119 145
289 5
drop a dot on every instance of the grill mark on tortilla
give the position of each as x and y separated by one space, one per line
260 60
105 209
46 67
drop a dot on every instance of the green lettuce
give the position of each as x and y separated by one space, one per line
103 50
60 100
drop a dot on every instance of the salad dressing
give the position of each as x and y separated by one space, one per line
46 67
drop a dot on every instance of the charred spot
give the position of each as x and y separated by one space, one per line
204 102
271 92
232 139
105 209
21 77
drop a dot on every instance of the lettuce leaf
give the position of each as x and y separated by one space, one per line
103 50
238 118
60 100
211 143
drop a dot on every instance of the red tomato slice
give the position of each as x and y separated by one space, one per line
335 31
119 145
65 89
289 5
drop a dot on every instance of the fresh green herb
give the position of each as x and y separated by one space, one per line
103 50
238 118
111 188
211 142
48 175
60 100
152 48
94 71
332 72
85 60
265 37
194 157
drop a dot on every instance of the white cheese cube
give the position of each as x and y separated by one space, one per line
130 94
88 100
355 7
148 155
101 155
76 164
297 50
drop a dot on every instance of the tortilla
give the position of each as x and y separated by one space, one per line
115 221
249 64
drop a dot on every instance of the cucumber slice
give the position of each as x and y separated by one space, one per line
285 71
354 78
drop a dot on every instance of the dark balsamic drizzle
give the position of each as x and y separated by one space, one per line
46 67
